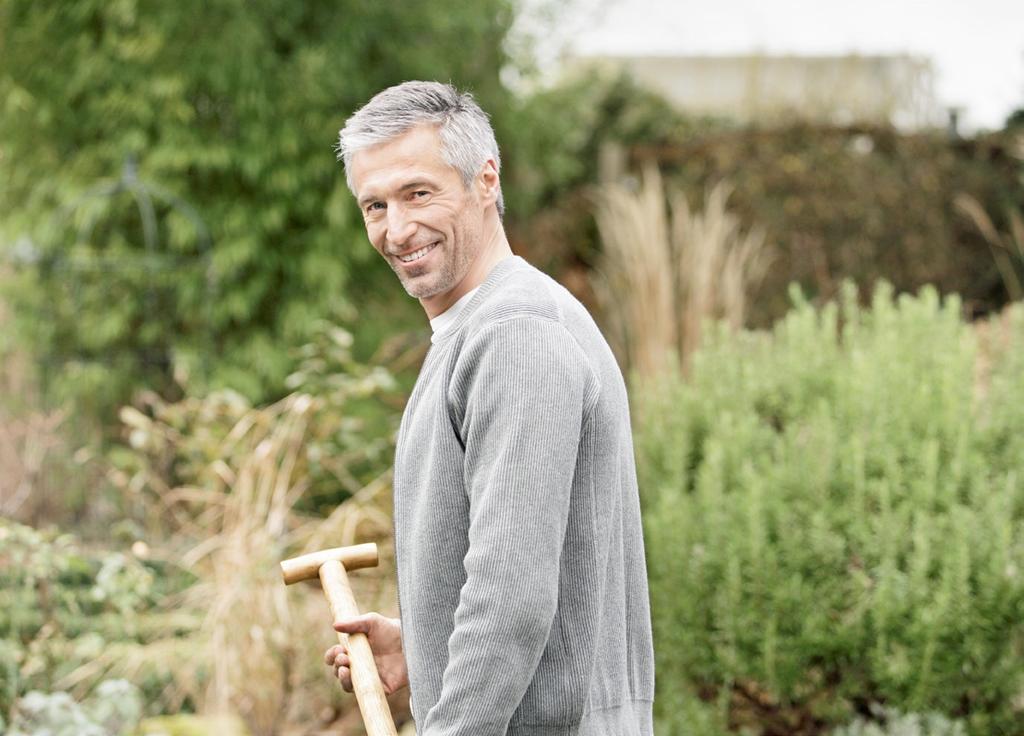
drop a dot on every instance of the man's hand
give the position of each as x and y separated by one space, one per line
385 635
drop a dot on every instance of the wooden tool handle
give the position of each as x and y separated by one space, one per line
365 680
308 566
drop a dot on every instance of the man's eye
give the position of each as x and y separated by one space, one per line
421 193
374 206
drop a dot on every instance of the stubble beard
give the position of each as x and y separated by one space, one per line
453 268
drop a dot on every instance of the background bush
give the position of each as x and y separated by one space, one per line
214 492
835 519
228 113
863 202
113 710
63 607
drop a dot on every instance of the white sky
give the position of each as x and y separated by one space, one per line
977 46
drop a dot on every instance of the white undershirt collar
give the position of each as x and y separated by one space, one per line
443 321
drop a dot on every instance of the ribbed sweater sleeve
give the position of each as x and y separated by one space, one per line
519 396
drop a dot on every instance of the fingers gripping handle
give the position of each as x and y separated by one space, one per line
365 681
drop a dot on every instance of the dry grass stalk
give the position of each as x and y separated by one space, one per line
668 270
1006 247
717 265
256 651
637 287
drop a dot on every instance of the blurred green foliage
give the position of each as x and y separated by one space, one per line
574 119
835 519
231 489
112 710
347 434
893 723
230 111
226 490
576 129
860 202
63 604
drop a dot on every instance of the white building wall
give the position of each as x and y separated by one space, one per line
842 89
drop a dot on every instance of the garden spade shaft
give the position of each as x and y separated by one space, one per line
330 566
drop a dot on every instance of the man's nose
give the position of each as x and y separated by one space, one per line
400 226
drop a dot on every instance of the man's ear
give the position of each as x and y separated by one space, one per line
488 182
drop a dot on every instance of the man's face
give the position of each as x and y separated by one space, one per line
419 215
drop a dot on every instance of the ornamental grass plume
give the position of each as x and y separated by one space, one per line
1007 248
666 269
716 265
249 647
637 289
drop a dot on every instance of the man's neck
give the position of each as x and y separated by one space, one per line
496 249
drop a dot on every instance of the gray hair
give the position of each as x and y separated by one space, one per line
467 139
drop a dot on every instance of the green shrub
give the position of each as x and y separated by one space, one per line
900 724
229 489
112 710
858 203
345 430
864 203
229 112
63 605
225 490
835 518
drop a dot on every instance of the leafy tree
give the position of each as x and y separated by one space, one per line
168 180
1015 119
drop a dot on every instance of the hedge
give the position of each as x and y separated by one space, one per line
835 520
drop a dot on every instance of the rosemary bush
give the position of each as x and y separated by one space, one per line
835 520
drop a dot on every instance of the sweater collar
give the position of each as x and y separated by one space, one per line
498 274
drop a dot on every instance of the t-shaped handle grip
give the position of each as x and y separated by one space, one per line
308 566
330 565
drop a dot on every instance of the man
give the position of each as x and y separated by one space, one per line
521 576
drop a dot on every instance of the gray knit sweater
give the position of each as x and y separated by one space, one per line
521 574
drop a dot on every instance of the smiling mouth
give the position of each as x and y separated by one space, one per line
417 254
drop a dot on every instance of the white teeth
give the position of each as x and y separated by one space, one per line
416 255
